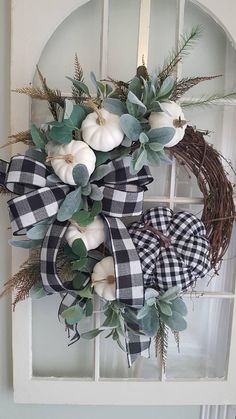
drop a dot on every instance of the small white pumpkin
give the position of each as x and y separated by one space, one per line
65 157
92 235
103 279
101 130
172 116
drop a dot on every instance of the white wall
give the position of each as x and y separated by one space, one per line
9 410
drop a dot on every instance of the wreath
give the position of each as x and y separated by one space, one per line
84 172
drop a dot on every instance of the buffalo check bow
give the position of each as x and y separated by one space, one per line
38 200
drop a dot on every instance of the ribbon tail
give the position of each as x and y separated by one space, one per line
128 271
51 243
136 346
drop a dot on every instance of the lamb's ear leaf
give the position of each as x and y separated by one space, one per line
73 314
80 175
130 126
70 205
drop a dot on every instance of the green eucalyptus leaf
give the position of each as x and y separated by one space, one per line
38 137
130 126
70 204
61 134
141 160
96 208
82 217
89 308
37 291
135 86
68 108
79 280
80 175
153 157
170 294
143 138
161 135
155 146
179 306
101 157
126 142
37 232
100 88
80 85
100 172
165 308
91 334
96 255
151 293
73 314
77 116
132 98
114 106
176 322
155 107
143 312
79 248
150 324
85 292
86 190
166 88
96 194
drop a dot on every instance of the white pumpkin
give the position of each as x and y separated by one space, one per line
65 157
172 116
103 279
92 235
101 130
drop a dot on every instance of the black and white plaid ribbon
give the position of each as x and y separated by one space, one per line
123 196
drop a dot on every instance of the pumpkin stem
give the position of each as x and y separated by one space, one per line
165 241
179 123
110 279
74 223
69 158
100 120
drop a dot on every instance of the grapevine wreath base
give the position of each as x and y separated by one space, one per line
86 170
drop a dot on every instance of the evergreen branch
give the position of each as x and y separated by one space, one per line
185 84
4 191
78 94
161 344
209 100
23 280
177 339
21 137
186 42
53 96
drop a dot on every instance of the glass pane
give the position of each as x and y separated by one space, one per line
123 31
161 41
207 57
51 354
113 363
204 345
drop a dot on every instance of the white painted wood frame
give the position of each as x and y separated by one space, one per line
28 41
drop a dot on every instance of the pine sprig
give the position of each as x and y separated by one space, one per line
209 100
78 94
52 96
20 137
161 344
186 42
186 83
177 339
23 281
